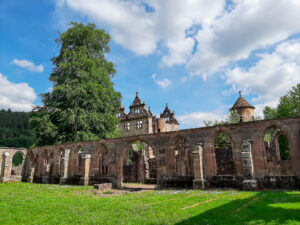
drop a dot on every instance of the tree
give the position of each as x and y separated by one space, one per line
232 117
83 103
289 105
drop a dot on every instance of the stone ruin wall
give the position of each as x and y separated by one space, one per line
102 161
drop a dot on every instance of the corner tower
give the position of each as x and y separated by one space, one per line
244 109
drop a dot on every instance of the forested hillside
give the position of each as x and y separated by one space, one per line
15 129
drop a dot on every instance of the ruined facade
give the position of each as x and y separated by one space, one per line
141 121
246 155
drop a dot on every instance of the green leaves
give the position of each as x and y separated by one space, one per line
289 105
83 103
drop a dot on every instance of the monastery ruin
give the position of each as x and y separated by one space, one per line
153 150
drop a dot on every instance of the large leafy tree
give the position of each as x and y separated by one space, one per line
83 103
289 105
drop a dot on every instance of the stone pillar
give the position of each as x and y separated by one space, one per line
87 164
197 156
210 160
31 176
7 163
64 177
249 183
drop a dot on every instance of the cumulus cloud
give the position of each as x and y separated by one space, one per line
250 25
203 35
16 96
271 77
208 37
164 83
28 65
196 119
140 25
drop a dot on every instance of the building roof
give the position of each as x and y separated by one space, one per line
241 103
137 100
168 114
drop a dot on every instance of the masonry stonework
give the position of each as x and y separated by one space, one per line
153 150
182 157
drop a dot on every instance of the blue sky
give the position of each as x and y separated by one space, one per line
195 55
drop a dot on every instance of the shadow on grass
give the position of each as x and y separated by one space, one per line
262 208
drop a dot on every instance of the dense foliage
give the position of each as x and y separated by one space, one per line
83 103
15 129
289 105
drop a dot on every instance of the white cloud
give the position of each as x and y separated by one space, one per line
273 75
222 36
164 83
16 96
28 65
196 119
140 31
252 24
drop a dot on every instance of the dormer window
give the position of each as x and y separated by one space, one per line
139 124
136 111
127 126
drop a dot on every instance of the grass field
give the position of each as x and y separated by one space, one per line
25 203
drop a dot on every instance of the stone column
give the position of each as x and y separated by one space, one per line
249 183
210 160
1 165
197 156
64 177
87 164
31 176
7 163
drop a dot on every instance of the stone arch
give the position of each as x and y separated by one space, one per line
75 164
183 157
276 163
224 153
124 153
102 160
45 163
17 165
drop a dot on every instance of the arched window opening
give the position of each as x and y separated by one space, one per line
276 145
17 162
183 161
103 161
284 148
223 153
139 164
17 159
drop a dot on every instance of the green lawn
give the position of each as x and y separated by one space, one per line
25 203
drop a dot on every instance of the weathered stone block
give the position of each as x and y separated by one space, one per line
102 187
249 185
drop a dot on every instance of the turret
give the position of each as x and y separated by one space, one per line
244 109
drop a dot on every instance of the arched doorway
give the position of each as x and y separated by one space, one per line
138 164
224 155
